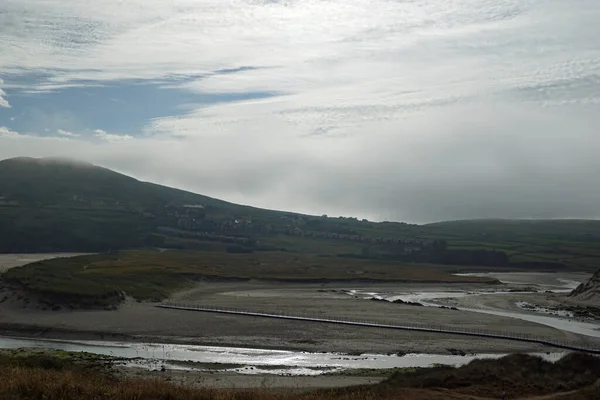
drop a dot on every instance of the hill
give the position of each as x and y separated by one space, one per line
589 291
56 204
64 182
499 229
52 205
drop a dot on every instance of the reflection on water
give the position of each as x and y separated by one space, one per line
251 361
567 325
563 281
554 282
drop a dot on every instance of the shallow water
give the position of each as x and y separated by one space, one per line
528 306
251 361
554 282
564 281
567 325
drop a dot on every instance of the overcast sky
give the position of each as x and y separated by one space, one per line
407 110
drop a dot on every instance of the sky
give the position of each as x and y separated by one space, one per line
403 110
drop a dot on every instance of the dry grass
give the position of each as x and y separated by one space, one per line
528 377
37 384
54 359
590 393
516 375
31 384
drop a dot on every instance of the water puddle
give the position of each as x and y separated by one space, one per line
541 281
567 325
564 282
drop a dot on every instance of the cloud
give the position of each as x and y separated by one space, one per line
62 132
6 133
3 102
110 137
450 163
415 111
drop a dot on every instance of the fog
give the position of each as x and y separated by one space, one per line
407 111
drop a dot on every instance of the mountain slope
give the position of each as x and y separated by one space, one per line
54 181
54 204
508 229
64 205
589 291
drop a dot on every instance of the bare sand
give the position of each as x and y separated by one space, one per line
145 322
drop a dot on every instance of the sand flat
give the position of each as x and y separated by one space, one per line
145 322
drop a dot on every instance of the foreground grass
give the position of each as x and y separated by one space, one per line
22 384
520 376
57 360
589 393
516 375
99 280
27 384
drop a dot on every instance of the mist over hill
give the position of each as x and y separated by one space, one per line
54 204
64 182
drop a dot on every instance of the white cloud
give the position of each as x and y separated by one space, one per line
435 166
64 133
6 133
311 44
388 109
3 102
7 137
111 137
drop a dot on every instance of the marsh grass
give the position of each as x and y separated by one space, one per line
102 280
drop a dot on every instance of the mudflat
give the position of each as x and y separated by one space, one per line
145 322
21 315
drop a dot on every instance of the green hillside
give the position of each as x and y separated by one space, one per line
62 205
55 205
498 229
60 182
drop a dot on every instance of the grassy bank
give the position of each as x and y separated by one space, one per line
519 376
57 360
516 375
101 280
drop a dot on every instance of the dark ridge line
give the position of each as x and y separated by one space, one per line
546 342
